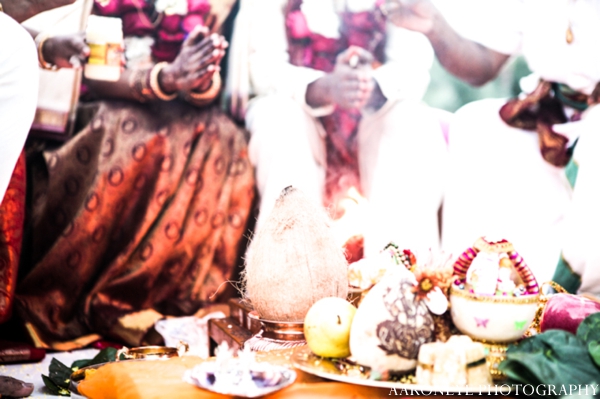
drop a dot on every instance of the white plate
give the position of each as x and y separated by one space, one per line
203 377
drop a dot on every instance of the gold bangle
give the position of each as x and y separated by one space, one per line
139 85
1 9
155 86
210 94
40 40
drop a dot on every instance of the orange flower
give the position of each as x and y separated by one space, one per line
428 279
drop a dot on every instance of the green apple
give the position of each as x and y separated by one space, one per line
327 327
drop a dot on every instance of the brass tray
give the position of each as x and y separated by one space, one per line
343 370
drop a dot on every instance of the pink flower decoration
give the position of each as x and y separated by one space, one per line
191 21
297 25
165 51
166 37
322 63
133 25
198 6
171 23
322 44
360 39
307 57
130 5
359 21
113 7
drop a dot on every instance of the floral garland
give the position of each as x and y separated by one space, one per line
318 31
168 22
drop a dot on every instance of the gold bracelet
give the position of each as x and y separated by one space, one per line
155 86
40 40
139 85
1 9
208 95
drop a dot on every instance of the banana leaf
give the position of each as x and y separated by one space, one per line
589 332
59 374
557 357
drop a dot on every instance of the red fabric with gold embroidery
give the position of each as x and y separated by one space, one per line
12 214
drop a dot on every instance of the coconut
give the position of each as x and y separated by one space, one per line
390 326
294 260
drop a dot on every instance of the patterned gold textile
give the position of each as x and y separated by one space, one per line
142 209
12 213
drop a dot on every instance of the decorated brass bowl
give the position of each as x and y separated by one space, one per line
493 319
481 307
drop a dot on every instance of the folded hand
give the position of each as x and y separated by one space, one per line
196 63
351 83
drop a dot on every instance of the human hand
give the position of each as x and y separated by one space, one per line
66 51
196 63
350 83
416 15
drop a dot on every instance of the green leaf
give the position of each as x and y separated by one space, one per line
104 356
554 357
79 364
59 373
589 329
594 349
59 376
52 387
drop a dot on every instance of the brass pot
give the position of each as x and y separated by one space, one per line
282 330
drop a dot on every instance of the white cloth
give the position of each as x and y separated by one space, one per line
18 94
582 221
401 146
499 184
401 158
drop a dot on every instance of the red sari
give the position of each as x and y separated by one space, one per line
140 214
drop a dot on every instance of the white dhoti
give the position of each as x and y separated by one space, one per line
402 155
18 94
500 186
579 266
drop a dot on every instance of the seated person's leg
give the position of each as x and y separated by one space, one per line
285 148
18 94
402 157
500 186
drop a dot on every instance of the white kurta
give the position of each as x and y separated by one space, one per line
401 147
499 184
18 94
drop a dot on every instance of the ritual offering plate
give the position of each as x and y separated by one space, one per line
345 370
